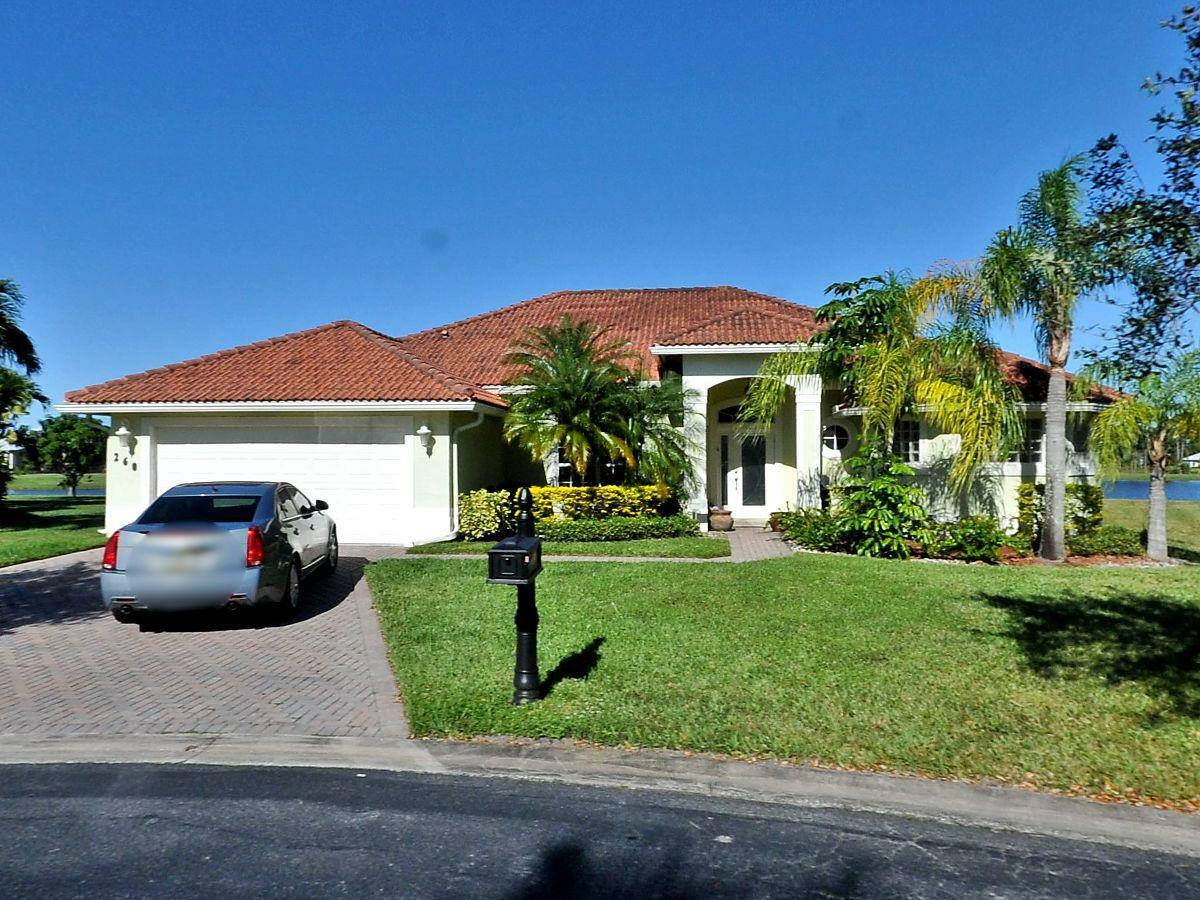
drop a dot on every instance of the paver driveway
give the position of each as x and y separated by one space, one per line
67 667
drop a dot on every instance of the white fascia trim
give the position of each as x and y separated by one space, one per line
254 406
710 349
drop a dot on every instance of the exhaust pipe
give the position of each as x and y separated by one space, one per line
233 607
123 611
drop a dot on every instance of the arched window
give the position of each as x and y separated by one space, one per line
835 437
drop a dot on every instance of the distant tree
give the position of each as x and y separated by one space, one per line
1157 411
1042 267
73 446
1154 234
17 393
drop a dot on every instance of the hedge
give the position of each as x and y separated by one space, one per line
617 528
486 514
1107 540
1084 507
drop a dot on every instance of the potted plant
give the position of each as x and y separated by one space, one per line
720 519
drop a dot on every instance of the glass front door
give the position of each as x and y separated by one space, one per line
744 475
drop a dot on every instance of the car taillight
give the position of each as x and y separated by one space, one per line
110 552
254 547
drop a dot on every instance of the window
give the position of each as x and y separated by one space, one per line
907 442
206 508
835 437
287 505
1031 450
302 502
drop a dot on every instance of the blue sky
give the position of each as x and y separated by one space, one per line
176 179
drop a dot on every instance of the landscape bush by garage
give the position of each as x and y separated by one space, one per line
617 528
1107 540
489 514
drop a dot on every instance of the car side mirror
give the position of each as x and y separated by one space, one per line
321 506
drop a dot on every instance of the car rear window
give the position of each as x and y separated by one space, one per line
207 508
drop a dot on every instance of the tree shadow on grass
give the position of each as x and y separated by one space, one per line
1144 640
578 665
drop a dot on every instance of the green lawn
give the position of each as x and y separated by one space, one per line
35 528
48 481
1183 523
1084 681
694 547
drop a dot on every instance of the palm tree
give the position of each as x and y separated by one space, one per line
654 430
1155 412
1041 268
15 344
568 394
896 343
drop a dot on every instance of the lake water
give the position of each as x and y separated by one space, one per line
82 492
1140 490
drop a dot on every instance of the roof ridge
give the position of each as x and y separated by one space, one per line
218 354
575 293
392 345
730 313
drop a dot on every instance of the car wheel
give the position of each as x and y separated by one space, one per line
331 554
291 592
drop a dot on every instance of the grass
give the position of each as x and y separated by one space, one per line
48 481
1183 523
1081 681
37 528
692 547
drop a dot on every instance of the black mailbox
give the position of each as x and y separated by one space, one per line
515 560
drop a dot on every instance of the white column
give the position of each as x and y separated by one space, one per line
808 440
695 430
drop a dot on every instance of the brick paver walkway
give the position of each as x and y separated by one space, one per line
67 667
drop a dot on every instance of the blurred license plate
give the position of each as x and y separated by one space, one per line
174 556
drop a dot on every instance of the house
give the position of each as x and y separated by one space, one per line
1191 462
389 430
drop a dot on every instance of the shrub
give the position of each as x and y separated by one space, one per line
1020 542
1107 540
484 514
977 538
815 529
617 528
1084 505
603 502
880 511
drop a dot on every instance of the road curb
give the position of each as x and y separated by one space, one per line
998 807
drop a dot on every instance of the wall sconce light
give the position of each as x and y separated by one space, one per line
425 436
124 437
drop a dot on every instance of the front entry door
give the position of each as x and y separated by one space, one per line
744 467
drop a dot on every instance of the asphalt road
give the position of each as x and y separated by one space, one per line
183 831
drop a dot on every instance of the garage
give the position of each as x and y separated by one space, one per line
359 465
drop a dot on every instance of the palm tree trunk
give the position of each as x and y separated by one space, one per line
1156 533
1053 544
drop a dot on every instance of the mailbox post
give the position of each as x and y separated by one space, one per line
517 560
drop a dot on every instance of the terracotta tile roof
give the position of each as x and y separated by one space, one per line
476 346
348 361
338 361
747 326
1032 379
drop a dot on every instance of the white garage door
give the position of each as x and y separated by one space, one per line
362 468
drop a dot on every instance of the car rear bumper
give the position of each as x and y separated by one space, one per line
182 593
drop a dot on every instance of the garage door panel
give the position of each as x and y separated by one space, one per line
367 485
